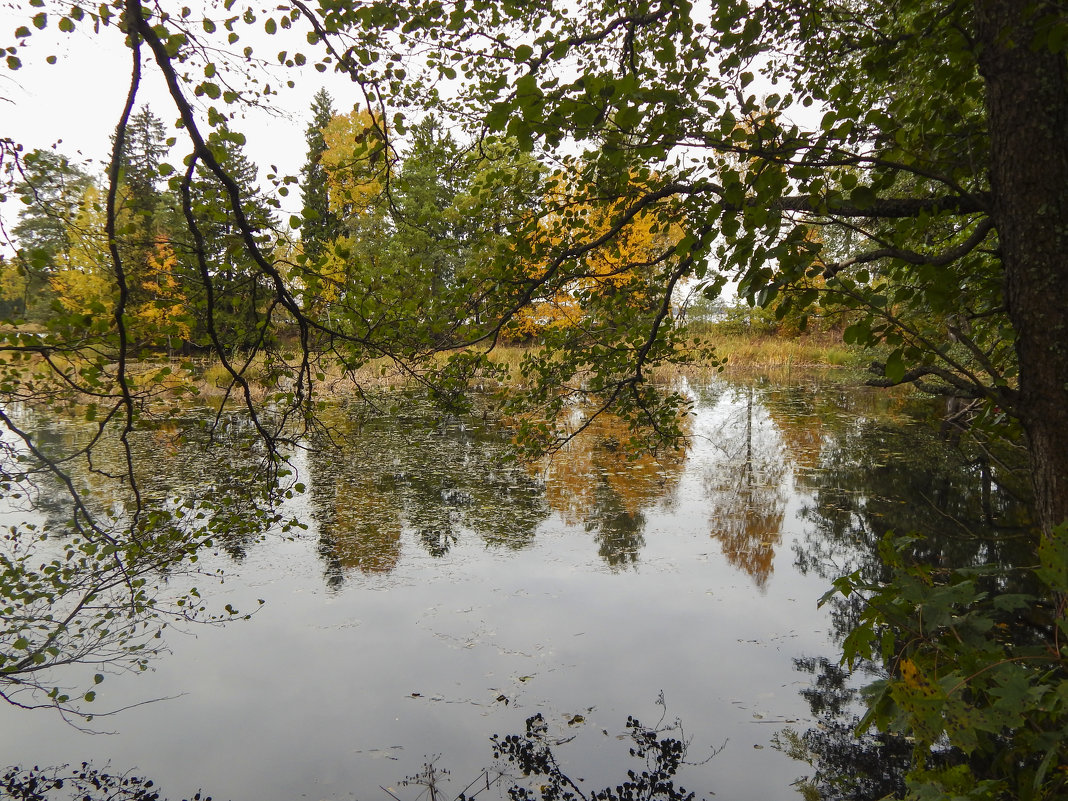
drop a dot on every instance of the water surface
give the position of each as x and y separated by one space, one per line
441 594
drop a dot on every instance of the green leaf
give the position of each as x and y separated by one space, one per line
895 367
40 20
1009 602
862 197
1053 559
923 699
497 118
1058 37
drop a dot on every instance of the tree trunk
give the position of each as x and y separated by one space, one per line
1027 109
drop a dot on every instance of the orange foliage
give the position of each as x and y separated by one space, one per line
747 494
625 262
748 524
165 313
594 464
356 162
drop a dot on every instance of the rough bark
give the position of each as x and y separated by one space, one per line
1027 108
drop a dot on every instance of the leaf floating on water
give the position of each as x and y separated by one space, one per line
525 678
577 720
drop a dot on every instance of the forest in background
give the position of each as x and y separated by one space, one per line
610 155
419 226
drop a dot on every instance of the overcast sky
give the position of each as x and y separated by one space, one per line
75 104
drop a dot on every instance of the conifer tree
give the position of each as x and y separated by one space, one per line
145 146
237 286
142 208
321 225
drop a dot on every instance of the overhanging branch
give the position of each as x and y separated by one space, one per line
892 208
914 257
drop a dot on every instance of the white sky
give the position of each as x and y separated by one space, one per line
77 102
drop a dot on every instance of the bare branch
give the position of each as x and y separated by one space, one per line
133 13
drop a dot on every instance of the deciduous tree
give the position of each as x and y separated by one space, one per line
51 189
82 278
934 136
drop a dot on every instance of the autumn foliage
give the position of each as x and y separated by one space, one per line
631 248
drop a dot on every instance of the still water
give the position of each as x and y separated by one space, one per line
441 594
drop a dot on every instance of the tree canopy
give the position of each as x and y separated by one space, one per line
730 125
903 161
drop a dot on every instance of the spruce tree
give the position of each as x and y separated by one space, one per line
321 226
236 280
143 205
145 147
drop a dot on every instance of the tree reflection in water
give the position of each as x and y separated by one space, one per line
847 767
377 478
594 482
445 481
746 487
880 473
93 571
404 484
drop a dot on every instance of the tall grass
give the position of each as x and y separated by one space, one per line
742 351
208 378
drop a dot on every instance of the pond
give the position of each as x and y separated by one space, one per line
441 594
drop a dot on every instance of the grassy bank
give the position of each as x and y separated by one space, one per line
743 352
166 380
